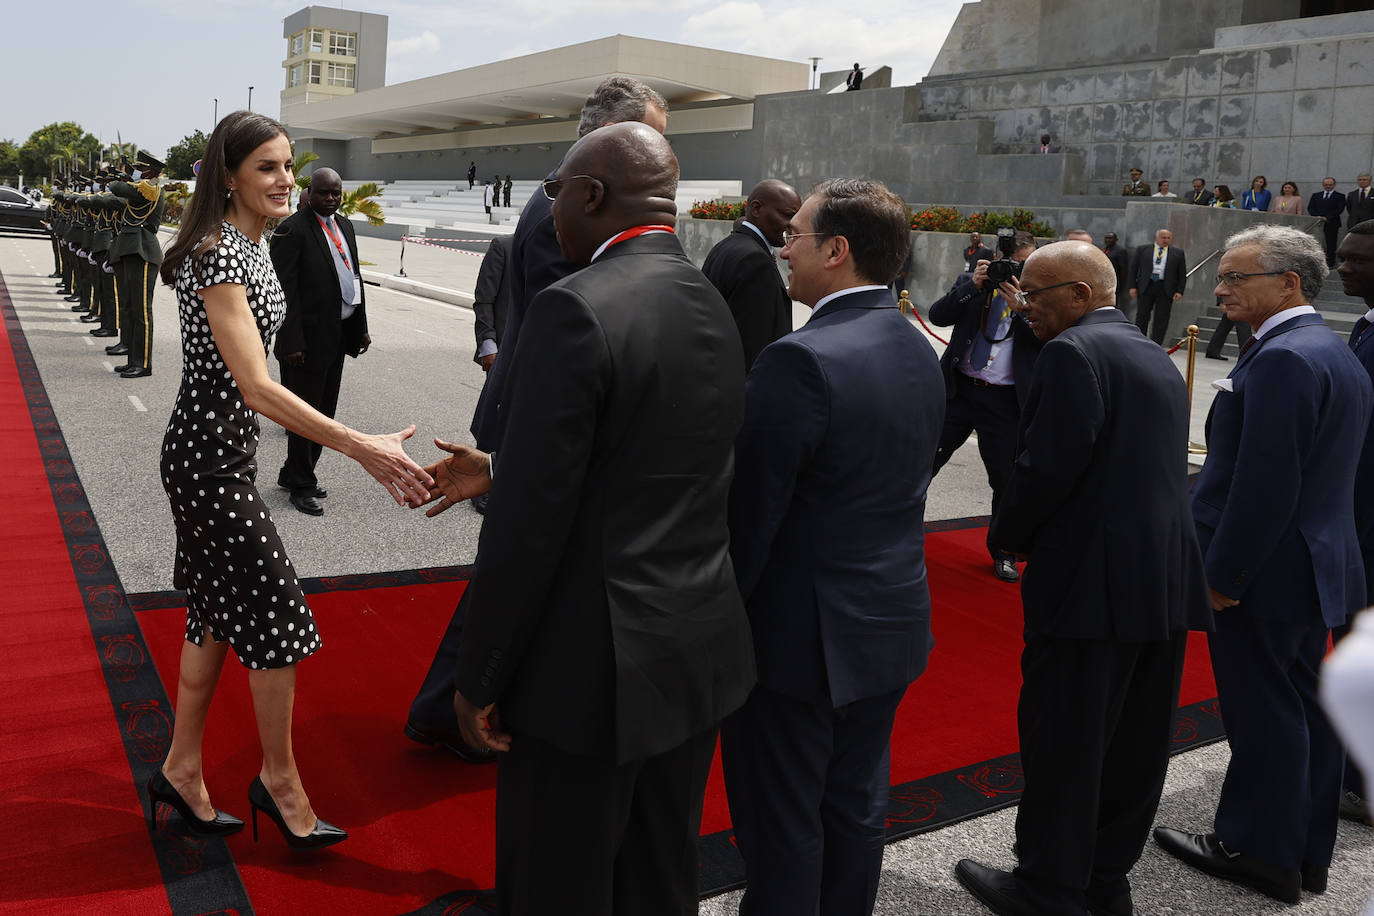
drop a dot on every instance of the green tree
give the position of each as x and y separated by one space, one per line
182 157
66 138
9 162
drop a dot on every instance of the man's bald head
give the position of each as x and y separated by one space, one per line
326 191
1063 282
770 207
615 178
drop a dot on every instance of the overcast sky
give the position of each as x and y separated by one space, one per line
150 70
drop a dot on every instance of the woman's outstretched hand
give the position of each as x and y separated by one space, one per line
383 457
464 474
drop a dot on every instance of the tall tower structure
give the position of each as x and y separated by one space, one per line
331 52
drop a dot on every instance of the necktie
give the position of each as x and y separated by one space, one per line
982 344
1357 334
1249 342
1158 273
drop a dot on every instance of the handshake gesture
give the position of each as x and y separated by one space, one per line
464 474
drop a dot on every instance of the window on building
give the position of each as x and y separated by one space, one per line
315 73
297 45
341 75
317 40
343 43
293 77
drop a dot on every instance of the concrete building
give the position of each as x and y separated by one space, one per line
330 53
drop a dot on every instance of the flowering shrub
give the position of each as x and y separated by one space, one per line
948 219
717 209
938 219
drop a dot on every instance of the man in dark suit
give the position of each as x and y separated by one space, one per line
976 251
829 551
854 81
1329 204
472 174
745 270
535 262
1274 508
1356 256
1098 502
987 368
1121 265
1359 203
489 301
316 256
1159 275
605 622
1200 195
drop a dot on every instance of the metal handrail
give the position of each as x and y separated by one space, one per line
1198 265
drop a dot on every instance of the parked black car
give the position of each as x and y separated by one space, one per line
21 213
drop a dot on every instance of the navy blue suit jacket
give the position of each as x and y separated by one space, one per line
1098 496
962 307
535 262
1362 343
1274 503
827 509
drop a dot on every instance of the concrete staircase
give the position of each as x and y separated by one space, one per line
1340 311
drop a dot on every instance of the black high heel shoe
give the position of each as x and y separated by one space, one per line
161 790
324 834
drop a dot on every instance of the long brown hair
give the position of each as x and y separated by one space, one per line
234 137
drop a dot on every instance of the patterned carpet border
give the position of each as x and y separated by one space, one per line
199 874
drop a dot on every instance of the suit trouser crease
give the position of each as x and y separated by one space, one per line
994 414
1280 799
1096 719
317 385
1153 300
583 837
808 786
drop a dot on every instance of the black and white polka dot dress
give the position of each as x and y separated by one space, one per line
229 559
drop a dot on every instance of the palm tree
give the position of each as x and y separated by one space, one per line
299 163
359 200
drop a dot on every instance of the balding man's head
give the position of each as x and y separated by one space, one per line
1061 283
614 178
326 191
770 207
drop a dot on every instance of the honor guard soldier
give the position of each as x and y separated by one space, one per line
136 255
105 206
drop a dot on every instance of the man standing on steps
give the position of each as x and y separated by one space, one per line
316 256
1329 204
472 174
136 254
505 191
1159 276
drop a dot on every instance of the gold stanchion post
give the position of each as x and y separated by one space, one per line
904 303
1194 448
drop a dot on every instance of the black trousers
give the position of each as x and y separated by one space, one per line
1330 230
317 383
994 414
1095 718
583 837
432 707
808 786
136 279
1153 300
1280 800
107 300
1224 326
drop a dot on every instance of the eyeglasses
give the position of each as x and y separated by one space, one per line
552 186
788 236
1234 278
1024 296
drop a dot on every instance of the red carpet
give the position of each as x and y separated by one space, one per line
73 839
87 719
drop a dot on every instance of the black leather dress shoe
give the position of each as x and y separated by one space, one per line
90 318
1206 853
123 368
1354 808
1216 356
306 502
77 308
1004 568
118 349
136 372
995 889
450 741
104 332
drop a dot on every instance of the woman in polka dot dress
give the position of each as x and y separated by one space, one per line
241 590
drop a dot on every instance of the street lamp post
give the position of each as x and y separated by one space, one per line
216 120
250 98
815 64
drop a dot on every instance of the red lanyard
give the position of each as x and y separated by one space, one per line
338 242
637 230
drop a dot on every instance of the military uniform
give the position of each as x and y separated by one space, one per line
136 255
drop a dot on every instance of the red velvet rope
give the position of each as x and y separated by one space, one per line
926 326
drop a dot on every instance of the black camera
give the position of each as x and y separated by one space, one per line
1003 269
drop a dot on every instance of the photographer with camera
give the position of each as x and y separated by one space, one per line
987 368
